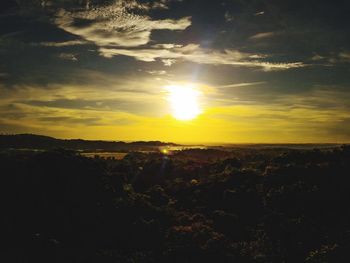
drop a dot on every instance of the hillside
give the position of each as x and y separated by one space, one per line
31 141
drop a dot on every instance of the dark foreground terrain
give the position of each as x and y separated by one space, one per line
243 205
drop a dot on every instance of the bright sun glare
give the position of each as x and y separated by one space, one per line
184 101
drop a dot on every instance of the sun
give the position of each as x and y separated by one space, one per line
184 101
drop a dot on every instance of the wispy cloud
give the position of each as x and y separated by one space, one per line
157 72
71 120
68 56
197 54
332 58
244 84
63 44
317 57
262 35
259 13
344 56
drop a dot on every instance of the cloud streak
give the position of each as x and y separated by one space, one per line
244 84
195 53
262 35
64 43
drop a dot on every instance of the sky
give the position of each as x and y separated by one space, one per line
190 71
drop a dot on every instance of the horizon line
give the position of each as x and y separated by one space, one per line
186 143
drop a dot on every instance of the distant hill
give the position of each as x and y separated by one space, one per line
32 141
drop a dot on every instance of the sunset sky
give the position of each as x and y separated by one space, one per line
191 71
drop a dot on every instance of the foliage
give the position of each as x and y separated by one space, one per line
239 206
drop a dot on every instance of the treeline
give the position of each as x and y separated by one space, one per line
248 207
31 141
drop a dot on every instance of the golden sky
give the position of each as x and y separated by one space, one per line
94 113
227 72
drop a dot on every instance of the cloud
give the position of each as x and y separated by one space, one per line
317 98
145 108
160 4
332 58
113 25
262 35
228 17
317 57
139 97
259 13
63 44
244 84
195 53
68 56
345 56
157 72
123 28
168 62
71 120
166 46
61 121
